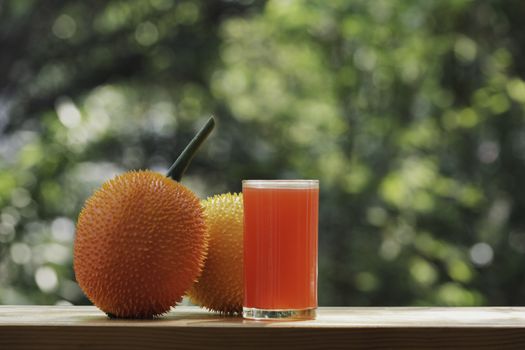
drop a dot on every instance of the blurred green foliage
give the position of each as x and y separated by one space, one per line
411 114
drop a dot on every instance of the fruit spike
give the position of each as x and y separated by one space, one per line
181 164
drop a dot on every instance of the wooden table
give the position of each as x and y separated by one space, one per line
85 327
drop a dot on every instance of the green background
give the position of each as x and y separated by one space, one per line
410 113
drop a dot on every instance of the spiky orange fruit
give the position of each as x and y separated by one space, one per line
141 242
220 286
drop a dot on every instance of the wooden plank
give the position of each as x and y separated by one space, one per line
85 327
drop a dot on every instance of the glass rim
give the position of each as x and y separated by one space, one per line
294 183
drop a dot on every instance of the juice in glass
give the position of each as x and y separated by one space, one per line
280 248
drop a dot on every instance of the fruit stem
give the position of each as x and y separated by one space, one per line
181 164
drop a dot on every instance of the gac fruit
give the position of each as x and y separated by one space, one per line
141 240
220 286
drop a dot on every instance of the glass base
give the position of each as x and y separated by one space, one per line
278 314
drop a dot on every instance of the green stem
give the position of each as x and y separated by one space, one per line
181 164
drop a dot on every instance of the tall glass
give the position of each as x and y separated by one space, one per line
280 248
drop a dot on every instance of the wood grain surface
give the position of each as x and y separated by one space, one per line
85 327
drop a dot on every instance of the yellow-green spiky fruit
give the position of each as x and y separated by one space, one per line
220 286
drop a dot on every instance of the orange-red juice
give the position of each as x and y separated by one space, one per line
280 244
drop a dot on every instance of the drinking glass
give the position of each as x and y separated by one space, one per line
280 248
